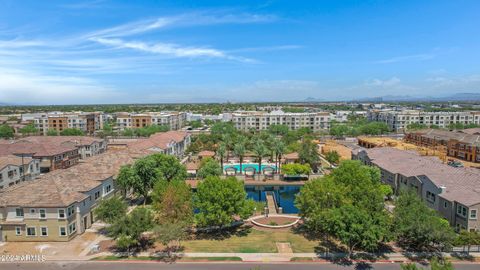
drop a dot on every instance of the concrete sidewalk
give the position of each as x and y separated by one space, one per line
262 257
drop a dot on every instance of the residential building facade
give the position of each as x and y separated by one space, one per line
174 120
457 144
14 170
453 192
89 122
316 121
399 120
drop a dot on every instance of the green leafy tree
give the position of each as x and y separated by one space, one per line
219 201
126 179
129 229
416 126
28 130
338 130
357 228
468 238
111 210
146 174
52 132
71 132
209 167
418 227
260 151
169 167
172 202
332 157
167 233
347 205
6 131
278 130
296 169
308 154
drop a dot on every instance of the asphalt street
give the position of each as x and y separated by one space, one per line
203 266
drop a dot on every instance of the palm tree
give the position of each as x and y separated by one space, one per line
260 151
239 150
279 149
222 148
227 140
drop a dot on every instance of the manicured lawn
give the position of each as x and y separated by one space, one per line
253 241
140 258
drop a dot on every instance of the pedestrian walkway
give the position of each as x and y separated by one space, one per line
272 206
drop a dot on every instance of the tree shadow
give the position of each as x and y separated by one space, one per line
463 256
222 234
169 254
421 257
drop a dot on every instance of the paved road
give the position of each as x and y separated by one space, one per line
201 266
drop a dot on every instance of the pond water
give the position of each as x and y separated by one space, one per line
285 196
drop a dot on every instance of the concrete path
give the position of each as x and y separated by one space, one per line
272 209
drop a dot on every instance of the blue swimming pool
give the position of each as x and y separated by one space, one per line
247 165
285 196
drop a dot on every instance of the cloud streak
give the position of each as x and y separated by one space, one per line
405 58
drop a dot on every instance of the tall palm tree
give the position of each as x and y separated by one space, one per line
239 150
227 140
222 148
260 151
279 149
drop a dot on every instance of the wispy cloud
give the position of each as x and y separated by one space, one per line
383 83
169 49
405 58
18 86
182 20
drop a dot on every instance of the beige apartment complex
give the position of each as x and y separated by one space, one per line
257 120
14 170
89 122
453 192
399 120
174 120
59 205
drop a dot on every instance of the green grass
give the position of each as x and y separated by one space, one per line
153 258
252 242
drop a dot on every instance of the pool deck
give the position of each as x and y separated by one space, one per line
251 182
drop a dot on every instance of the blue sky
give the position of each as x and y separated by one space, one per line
94 51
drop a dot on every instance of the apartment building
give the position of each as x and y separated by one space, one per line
59 205
174 120
89 122
457 144
171 143
256 120
453 192
14 170
52 156
399 120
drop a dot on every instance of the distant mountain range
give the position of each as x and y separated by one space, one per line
453 97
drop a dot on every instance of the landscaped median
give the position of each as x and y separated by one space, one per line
165 258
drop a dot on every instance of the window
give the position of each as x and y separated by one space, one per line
445 204
31 231
61 213
18 231
108 189
43 213
72 227
473 214
19 212
43 231
70 211
461 211
97 195
62 231
430 197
